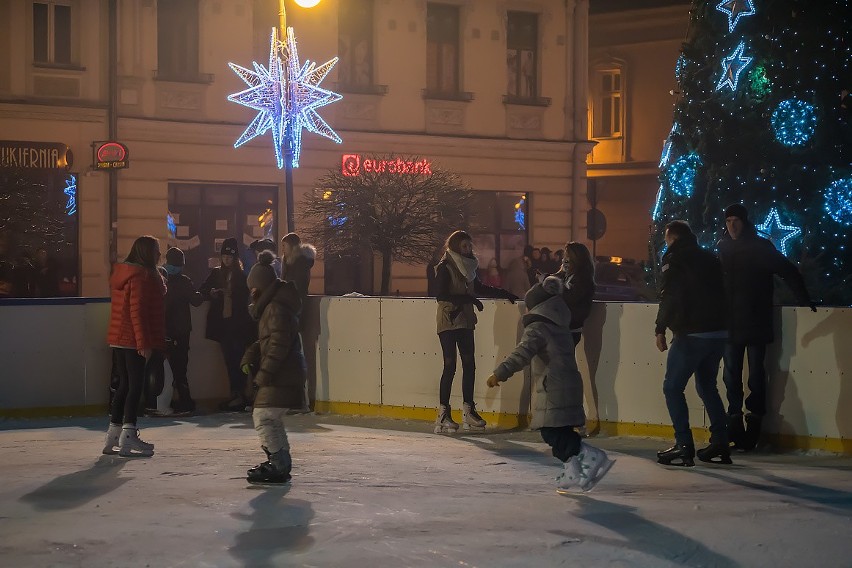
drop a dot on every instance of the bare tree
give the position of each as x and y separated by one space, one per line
398 206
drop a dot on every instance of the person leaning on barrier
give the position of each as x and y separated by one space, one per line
692 305
749 263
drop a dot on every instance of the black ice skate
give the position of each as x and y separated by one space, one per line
679 455
715 453
267 474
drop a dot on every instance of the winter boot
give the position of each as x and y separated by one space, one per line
752 431
568 482
112 439
471 418
274 471
594 464
736 431
130 445
715 453
679 454
444 422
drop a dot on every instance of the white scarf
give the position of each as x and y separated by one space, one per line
466 265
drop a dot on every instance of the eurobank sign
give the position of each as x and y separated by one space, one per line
352 165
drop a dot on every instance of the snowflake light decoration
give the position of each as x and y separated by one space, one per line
520 216
794 122
681 174
777 232
71 191
732 66
838 201
736 9
286 96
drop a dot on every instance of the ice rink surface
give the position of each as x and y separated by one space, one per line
388 494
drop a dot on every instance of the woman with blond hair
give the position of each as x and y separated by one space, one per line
137 328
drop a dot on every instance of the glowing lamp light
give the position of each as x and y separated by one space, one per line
732 66
307 3
838 201
779 233
794 122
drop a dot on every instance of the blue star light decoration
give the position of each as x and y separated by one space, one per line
736 9
794 122
732 66
838 201
777 232
71 191
286 96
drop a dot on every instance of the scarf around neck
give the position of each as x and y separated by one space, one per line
467 266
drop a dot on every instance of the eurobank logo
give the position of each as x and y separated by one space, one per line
352 165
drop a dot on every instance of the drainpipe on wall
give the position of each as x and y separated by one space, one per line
582 146
112 112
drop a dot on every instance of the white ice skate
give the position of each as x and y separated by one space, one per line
444 423
568 481
471 420
594 464
112 439
130 445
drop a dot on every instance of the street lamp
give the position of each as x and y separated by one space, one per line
286 95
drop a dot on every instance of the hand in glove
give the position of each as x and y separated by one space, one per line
813 306
493 381
478 304
246 369
511 297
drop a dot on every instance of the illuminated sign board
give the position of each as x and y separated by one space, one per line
110 156
35 155
352 165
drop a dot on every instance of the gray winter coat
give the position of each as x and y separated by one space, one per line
548 344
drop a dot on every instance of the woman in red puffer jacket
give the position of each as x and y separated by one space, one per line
136 329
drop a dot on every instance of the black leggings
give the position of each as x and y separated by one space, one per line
130 368
463 338
564 441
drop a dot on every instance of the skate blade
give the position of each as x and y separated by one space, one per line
474 428
442 430
599 475
268 483
573 492
719 460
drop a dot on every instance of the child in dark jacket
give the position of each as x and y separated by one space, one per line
558 406
280 371
180 295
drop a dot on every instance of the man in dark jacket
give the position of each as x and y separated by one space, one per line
749 263
280 371
180 294
692 305
298 260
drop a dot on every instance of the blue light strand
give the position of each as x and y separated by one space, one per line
777 232
736 9
71 191
794 122
681 174
732 67
838 201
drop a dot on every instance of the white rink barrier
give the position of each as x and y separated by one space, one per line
381 356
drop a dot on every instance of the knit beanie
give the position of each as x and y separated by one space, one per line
549 287
175 257
736 210
262 274
262 244
229 246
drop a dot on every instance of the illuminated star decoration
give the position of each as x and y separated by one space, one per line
838 201
286 95
520 217
732 66
777 232
71 191
736 9
794 122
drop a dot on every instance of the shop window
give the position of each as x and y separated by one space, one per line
177 40
608 108
52 33
202 216
499 227
355 41
522 56
39 233
442 49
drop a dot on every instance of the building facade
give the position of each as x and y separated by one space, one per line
633 48
492 90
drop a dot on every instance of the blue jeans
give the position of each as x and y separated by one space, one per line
733 377
701 357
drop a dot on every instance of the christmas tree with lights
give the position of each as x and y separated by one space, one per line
762 120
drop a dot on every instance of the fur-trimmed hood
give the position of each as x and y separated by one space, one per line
306 251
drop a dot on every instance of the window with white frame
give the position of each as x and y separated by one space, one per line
52 32
608 119
522 55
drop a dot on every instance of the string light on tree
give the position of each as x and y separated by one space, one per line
777 232
732 66
838 201
681 174
794 122
736 9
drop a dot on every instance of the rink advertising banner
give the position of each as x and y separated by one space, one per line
35 155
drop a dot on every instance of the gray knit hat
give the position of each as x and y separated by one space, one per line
262 274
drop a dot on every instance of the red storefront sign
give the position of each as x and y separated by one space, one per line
352 165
